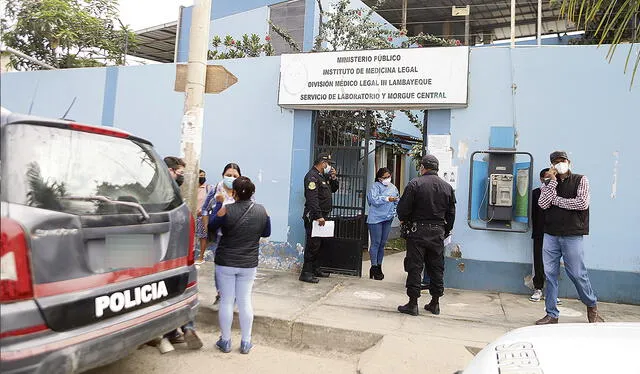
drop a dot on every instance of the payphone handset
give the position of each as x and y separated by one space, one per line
501 190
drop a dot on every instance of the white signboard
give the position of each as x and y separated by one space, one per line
413 78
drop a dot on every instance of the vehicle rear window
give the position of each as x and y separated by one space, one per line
44 166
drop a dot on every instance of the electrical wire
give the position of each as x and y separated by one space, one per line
486 193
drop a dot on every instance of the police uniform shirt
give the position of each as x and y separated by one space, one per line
428 199
317 193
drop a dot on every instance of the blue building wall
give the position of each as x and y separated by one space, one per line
241 125
147 105
50 93
249 21
252 16
565 98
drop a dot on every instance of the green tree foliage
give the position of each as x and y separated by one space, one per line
348 29
607 22
247 46
66 33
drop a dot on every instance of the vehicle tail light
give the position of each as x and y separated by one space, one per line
191 257
24 331
15 274
98 130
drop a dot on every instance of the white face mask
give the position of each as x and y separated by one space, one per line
327 169
562 167
386 182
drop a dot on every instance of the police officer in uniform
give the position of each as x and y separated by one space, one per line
427 208
319 183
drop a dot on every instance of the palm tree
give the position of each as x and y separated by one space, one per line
43 194
609 22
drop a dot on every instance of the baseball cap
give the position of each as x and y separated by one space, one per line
430 162
558 154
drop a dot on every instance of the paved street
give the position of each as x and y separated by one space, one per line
349 325
267 357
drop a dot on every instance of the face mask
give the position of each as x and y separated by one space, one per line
386 182
202 180
228 182
180 180
562 167
327 169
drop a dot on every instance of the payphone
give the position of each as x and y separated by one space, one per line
501 190
500 181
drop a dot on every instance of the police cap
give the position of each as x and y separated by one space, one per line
322 157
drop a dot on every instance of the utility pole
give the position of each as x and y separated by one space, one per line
466 26
191 136
404 15
539 28
459 12
513 23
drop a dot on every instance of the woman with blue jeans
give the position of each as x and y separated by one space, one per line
242 224
383 198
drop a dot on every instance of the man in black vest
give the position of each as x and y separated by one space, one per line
565 200
428 205
319 183
537 234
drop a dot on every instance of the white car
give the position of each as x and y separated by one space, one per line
562 349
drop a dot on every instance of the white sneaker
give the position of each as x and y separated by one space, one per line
558 302
537 296
165 346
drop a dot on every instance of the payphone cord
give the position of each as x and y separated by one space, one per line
486 194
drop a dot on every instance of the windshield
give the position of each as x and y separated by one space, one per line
44 166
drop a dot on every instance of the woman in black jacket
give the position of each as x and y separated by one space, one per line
242 224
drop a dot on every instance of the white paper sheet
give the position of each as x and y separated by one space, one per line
325 231
447 240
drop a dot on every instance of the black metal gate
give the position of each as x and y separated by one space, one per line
345 135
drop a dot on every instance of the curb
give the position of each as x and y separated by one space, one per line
301 333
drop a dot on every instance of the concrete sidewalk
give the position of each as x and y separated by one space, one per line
358 316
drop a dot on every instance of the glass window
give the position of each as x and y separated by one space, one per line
42 166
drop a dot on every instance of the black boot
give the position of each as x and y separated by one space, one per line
307 273
410 308
317 272
372 271
380 272
377 273
308 277
320 274
433 306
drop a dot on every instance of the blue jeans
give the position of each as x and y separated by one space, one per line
570 248
235 285
379 234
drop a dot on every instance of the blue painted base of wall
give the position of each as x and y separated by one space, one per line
281 256
272 255
610 286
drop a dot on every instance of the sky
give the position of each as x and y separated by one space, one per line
140 14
